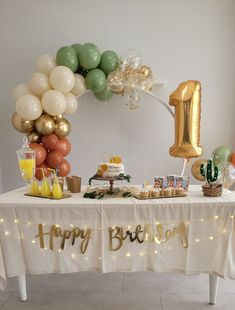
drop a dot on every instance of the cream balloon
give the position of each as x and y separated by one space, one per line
79 86
54 102
45 64
21 90
62 79
39 84
72 103
29 107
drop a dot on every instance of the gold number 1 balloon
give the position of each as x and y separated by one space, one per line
187 101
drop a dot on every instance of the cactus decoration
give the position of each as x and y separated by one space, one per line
210 171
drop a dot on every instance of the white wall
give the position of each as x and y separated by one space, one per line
179 39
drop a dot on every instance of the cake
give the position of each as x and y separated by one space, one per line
112 168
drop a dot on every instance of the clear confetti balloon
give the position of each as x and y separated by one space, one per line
133 99
131 58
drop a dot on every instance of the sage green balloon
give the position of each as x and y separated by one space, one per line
96 80
108 62
222 154
104 95
77 47
67 56
89 56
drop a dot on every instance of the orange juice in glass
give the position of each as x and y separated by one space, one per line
27 168
27 162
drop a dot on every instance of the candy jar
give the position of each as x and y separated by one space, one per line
26 161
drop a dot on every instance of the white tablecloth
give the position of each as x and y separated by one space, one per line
209 223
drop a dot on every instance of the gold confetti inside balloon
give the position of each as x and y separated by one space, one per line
146 71
21 124
62 128
187 102
195 170
115 81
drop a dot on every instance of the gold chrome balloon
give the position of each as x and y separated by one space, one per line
187 101
57 118
45 124
34 137
21 124
62 128
195 170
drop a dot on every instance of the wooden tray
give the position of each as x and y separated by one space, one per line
49 197
160 197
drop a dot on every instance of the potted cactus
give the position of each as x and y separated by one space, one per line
210 172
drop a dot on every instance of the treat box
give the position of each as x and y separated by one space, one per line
49 197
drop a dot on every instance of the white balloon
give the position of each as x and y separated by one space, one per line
20 90
45 64
62 79
39 84
54 102
72 103
29 107
79 86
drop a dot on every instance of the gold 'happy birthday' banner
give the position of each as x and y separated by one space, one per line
117 235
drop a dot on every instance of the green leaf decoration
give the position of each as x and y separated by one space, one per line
125 177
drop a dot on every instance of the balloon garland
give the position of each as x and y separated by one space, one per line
53 91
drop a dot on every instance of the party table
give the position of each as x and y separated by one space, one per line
192 234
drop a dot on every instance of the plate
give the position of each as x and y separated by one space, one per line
49 197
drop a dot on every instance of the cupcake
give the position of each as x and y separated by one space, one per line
168 191
179 191
155 193
144 193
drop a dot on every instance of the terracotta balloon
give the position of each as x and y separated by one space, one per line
233 159
62 128
187 102
45 124
64 146
40 153
39 174
64 168
54 159
196 169
21 124
34 137
50 142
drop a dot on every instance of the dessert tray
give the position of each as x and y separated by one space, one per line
49 197
159 197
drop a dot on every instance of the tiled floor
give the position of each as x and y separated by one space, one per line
132 291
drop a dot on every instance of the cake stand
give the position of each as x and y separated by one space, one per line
111 180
